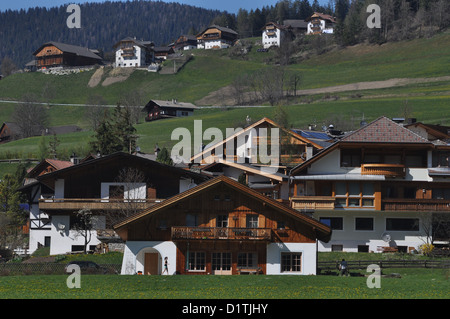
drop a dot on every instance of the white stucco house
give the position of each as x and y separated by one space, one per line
382 187
320 23
274 34
133 53
216 37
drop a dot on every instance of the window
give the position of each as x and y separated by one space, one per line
291 262
281 224
350 158
116 191
191 220
354 194
222 221
336 223
402 224
252 221
441 193
246 260
196 261
363 223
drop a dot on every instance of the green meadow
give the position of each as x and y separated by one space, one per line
413 284
211 70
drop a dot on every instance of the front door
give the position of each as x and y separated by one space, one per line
151 263
221 263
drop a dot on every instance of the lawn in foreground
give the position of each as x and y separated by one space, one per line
424 284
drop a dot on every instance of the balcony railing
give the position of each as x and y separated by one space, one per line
221 233
313 202
388 170
417 205
47 204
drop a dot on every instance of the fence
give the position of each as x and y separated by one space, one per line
363 264
45 269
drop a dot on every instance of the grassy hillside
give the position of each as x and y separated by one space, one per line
210 71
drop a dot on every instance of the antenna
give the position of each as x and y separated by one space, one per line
386 237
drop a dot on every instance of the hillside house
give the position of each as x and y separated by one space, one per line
319 23
220 227
9 132
111 187
134 53
158 109
274 34
56 54
382 187
298 27
216 37
162 53
185 42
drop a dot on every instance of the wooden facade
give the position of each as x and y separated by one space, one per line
221 227
53 54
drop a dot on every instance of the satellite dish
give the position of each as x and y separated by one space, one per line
61 226
386 237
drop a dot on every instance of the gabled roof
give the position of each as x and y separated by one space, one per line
438 131
296 24
171 104
248 128
144 44
69 48
247 168
53 163
112 158
323 232
384 130
277 25
321 16
223 29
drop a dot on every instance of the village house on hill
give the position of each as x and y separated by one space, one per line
55 54
134 53
216 37
160 109
319 23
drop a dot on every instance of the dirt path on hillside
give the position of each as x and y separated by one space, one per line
224 96
372 85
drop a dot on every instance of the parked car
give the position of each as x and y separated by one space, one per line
87 267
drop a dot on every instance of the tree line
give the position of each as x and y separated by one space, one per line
103 24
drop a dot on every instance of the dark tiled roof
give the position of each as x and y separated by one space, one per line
384 130
69 48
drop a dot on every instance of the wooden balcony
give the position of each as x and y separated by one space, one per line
313 202
416 205
221 233
388 170
73 204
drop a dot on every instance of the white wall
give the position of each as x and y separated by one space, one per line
63 240
274 40
351 238
308 262
134 254
139 58
131 190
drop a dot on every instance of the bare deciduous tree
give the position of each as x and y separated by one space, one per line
30 117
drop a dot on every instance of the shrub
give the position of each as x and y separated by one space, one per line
426 249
